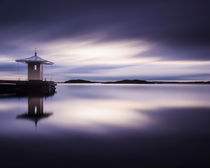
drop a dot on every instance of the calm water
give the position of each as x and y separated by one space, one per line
108 126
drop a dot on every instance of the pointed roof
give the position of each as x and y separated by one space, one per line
35 59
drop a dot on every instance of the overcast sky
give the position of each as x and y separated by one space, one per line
107 39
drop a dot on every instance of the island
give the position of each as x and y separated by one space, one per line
79 81
136 81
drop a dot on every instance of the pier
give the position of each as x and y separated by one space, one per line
21 88
34 84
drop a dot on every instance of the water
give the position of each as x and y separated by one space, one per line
108 126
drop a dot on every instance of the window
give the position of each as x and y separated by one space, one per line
35 109
35 67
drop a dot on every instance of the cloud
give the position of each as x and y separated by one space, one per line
69 31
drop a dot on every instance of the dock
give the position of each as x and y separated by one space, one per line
27 87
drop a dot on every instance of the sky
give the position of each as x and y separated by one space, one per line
107 39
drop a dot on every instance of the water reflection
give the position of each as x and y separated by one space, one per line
108 126
35 110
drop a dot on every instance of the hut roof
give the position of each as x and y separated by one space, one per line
35 59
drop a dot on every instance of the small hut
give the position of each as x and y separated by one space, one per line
35 66
34 84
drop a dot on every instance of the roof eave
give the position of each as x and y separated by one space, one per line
40 62
49 63
21 61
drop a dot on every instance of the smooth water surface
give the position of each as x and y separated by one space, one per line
99 125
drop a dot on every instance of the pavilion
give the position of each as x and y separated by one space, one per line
35 67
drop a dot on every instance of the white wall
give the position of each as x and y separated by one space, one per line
35 74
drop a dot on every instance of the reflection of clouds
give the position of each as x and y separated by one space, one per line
93 115
11 106
109 108
99 107
185 120
143 96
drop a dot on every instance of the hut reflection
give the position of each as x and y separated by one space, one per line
35 110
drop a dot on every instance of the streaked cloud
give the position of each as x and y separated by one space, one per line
108 39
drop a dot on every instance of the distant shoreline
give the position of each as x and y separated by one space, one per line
80 81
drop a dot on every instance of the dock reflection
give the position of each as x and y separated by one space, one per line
35 110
